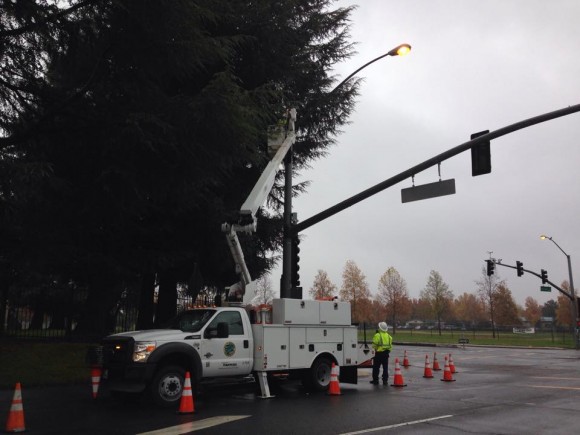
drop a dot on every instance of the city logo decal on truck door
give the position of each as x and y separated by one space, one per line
229 349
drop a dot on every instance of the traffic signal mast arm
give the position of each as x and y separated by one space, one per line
411 172
280 141
564 292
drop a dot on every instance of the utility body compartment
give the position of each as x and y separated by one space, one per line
305 312
285 347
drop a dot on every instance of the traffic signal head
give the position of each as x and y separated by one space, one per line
544 274
490 267
520 268
295 267
480 156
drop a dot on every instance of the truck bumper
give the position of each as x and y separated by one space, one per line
130 379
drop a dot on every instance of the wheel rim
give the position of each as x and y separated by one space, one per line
323 374
170 388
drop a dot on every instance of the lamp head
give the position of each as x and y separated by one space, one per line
400 50
544 237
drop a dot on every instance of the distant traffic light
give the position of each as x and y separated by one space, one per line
544 274
295 267
520 268
490 267
480 156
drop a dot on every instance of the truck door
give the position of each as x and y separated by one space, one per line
229 356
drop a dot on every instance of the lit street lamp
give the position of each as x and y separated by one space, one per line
286 285
572 293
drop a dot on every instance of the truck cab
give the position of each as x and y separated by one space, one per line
206 342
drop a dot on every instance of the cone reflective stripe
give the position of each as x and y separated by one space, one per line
398 379
186 402
427 373
435 362
95 379
15 421
447 377
405 360
334 387
451 365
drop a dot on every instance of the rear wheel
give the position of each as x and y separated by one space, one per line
318 377
167 386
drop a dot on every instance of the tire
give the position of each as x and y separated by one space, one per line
167 386
318 377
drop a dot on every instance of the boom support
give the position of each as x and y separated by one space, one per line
280 141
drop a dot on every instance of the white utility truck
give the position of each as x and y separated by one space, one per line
292 336
304 339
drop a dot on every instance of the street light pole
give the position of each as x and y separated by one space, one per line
572 292
285 284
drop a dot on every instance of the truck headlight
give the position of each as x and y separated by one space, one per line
142 350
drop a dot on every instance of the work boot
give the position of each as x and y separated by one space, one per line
375 382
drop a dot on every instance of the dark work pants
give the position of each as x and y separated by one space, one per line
381 359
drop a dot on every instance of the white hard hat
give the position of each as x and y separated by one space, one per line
383 326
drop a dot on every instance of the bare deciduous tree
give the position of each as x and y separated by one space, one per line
393 293
439 296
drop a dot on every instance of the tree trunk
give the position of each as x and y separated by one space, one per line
146 302
98 318
167 300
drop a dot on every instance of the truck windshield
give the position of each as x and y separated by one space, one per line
191 321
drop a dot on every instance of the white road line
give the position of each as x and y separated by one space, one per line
393 426
553 387
556 377
195 425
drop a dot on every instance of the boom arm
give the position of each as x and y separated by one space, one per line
280 140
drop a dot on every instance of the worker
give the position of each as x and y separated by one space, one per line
382 344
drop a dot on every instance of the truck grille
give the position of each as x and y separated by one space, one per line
117 351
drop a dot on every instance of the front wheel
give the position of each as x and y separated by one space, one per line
318 377
167 386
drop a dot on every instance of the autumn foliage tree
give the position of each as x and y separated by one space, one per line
322 287
355 290
532 310
506 311
469 309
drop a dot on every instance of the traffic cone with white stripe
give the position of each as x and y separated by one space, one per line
451 365
334 387
406 360
447 377
398 379
95 379
427 373
435 362
186 402
15 421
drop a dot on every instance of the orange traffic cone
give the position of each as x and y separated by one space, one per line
186 402
447 377
95 379
427 373
15 421
435 362
398 379
334 387
451 365
406 361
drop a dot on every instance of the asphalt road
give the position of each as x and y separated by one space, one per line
495 391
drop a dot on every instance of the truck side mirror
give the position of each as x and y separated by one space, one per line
223 330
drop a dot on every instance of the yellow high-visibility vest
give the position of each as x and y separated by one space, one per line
382 341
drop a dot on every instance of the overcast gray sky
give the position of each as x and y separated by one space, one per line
475 65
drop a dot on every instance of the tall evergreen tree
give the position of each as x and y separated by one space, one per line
150 130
